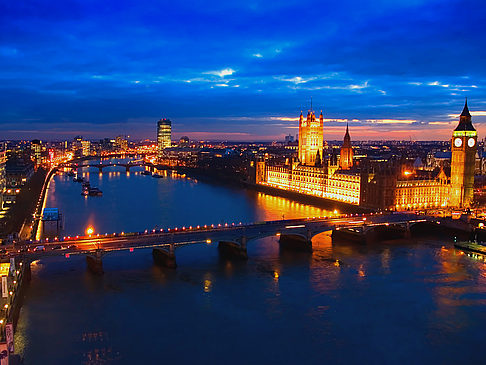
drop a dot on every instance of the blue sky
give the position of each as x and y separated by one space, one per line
240 70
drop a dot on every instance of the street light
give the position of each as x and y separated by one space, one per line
89 231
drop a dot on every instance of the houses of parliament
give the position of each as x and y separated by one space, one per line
389 185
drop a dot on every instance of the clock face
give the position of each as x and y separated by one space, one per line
471 142
458 142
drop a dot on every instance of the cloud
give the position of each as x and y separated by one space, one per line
373 61
475 113
221 73
296 79
391 121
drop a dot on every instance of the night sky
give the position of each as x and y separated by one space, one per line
396 69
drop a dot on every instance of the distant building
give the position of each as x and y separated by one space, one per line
18 172
440 159
77 146
184 141
3 179
36 150
164 135
121 143
289 138
85 148
107 144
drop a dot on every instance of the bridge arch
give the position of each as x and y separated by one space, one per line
292 239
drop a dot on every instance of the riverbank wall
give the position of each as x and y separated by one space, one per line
224 179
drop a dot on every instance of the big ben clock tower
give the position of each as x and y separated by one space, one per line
464 147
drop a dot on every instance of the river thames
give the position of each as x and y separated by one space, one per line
417 302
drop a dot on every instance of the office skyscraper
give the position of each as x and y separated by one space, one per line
164 130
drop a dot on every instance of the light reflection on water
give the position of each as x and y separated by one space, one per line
415 303
271 207
134 202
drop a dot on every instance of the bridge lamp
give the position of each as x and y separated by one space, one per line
89 231
208 241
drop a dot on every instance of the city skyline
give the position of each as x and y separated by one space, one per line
244 182
240 72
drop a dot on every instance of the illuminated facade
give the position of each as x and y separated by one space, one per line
3 178
36 150
464 148
121 143
77 147
311 139
346 155
164 131
414 192
86 148
384 186
342 185
312 175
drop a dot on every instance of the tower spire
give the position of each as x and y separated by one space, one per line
465 111
465 123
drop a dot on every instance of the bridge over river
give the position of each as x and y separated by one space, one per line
294 234
101 165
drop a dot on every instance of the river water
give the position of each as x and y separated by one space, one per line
384 303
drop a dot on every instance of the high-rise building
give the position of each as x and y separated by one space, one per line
36 150
77 146
121 143
164 129
3 180
289 138
311 138
346 155
86 148
464 147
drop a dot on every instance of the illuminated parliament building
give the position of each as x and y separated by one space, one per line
390 185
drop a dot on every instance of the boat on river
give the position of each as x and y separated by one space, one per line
145 172
95 192
85 188
472 246
476 242
91 191
157 176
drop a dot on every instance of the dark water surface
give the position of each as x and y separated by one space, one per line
395 303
